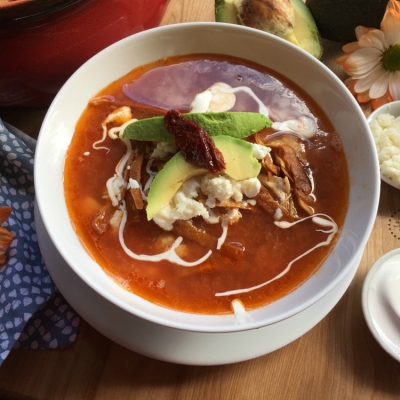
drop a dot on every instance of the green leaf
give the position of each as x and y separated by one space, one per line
235 124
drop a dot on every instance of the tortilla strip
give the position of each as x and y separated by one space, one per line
296 173
269 165
268 203
284 140
229 203
189 231
134 164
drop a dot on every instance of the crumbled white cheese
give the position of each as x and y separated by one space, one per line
216 187
386 132
164 149
222 188
250 187
190 188
180 207
260 151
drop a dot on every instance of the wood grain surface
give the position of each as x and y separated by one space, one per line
337 359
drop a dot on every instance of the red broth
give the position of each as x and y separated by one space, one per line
172 83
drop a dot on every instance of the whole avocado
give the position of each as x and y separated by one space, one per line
336 20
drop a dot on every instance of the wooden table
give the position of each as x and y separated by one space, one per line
337 359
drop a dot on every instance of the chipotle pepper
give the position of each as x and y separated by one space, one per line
195 143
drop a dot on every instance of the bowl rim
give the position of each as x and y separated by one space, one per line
190 325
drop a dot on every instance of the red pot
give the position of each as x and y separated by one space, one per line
41 47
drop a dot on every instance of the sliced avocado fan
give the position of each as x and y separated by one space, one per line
288 19
240 165
235 124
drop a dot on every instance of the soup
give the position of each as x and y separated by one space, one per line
216 245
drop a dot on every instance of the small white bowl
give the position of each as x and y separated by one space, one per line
392 108
381 302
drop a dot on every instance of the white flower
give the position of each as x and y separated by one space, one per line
373 62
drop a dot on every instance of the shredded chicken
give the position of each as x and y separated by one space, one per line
295 172
280 189
268 203
288 158
269 165
276 141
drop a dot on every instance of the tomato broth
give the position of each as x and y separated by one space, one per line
172 83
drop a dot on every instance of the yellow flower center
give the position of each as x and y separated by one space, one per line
391 58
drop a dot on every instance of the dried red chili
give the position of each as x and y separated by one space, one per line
194 142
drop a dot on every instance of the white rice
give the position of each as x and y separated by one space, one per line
386 132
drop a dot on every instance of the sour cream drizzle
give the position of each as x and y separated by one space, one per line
224 225
241 315
134 184
121 115
151 173
116 183
169 255
202 101
319 219
262 109
304 126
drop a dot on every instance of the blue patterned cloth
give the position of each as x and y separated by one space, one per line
33 314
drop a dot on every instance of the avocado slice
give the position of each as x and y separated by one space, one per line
240 165
302 31
305 29
238 124
226 11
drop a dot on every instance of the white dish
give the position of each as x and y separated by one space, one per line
392 108
117 60
174 345
381 302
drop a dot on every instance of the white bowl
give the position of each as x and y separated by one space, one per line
253 45
392 108
380 302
